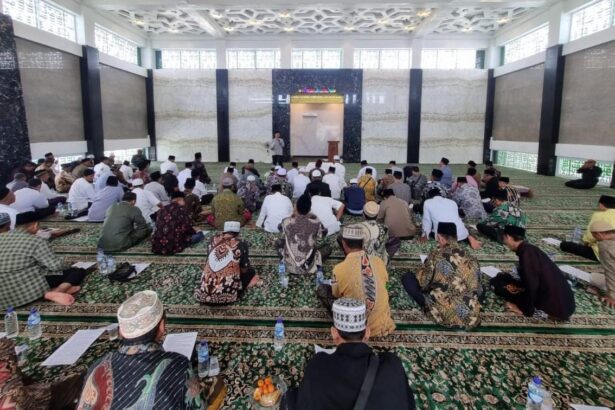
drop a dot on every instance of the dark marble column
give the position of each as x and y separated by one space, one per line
489 114
224 148
414 115
92 101
151 113
14 141
551 110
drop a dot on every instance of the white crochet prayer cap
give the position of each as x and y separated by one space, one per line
349 315
277 167
317 173
137 182
139 314
352 232
251 178
336 157
354 181
281 172
232 226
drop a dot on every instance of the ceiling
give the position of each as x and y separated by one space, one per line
235 19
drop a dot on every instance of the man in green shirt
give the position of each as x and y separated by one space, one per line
227 206
124 225
505 213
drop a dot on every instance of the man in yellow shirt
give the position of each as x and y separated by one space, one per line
368 184
361 277
588 248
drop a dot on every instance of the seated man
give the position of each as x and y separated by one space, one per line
417 182
504 214
368 184
337 380
604 233
6 199
227 206
447 286
250 192
361 277
437 210
385 182
280 179
52 196
184 175
110 195
276 207
354 198
297 245
170 182
447 173
316 181
323 208
64 179
193 202
227 273
489 166
376 240
492 185
396 215
364 167
541 284
590 174
156 379
513 195
156 188
400 188
174 231
300 183
228 172
81 193
30 270
334 182
31 200
468 199
147 202
588 248
124 225
19 181
434 183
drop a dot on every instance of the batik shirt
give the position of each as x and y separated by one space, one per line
287 187
513 196
173 231
227 206
507 214
469 201
375 236
449 280
141 376
221 278
193 205
249 192
300 234
434 185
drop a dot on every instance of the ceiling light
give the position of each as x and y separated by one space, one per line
288 29
348 28
409 28
424 13
173 30
383 21
284 15
467 29
229 29
503 20
215 15
255 22
139 22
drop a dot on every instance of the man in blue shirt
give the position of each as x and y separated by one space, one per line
354 198
447 173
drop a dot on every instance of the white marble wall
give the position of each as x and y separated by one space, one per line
250 114
384 132
186 113
453 115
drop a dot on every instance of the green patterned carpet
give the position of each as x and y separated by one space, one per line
487 368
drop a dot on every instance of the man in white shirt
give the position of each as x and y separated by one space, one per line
275 208
334 182
340 170
30 199
157 188
52 196
300 182
293 172
102 166
6 199
169 165
438 209
184 175
393 166
147 202
126 170
364 166
82 192
323 207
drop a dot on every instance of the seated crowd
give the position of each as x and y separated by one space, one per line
302 207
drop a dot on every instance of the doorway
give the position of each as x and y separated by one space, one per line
313 125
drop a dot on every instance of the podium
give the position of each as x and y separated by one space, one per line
333 150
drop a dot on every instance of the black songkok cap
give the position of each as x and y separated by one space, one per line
514 230
501 194
462 179
447 228
505 179
607 201
177 194
436 173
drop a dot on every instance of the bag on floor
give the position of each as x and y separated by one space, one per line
123 272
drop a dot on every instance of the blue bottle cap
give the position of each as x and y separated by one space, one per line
10 309
536 380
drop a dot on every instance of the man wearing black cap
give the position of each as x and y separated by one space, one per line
468 199
588 248
434 183
504 214
492 184
513 195
111 194
447 173
590 174
541 284
174 231
447 285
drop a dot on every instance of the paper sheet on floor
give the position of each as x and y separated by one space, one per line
139 267
490 271
577 273
586 407
182 343
73 348
318 349
423 258
81 219
84 265
552 241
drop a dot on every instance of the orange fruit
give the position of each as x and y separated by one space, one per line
270 389
257 394
260 383
268 380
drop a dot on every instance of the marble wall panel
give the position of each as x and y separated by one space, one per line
518 104
588 100
453 115
186 113
250 111
384 132
51 81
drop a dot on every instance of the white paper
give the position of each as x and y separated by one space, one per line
598 280
423 258
139 267
577 273
84 265
552 241
182 343
490 271
81 219
318 349
73 348
586 407
472 227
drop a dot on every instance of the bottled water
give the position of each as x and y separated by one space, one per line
11 325
419 219
282 274
203 358
577 235
69 209
535 394
279 340
320 277
101 261
110 264
34 325
60 209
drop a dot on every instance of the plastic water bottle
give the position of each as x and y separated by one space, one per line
69 209
101 261
60 209
577 235
203 358
535 394
282 274
11 325
279 340
320 277
419 219
110 264
34 325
